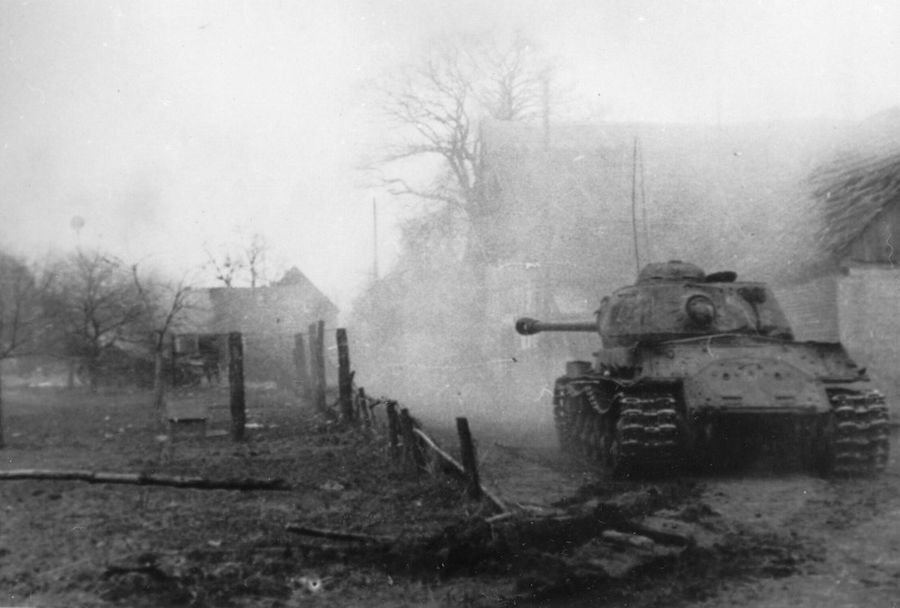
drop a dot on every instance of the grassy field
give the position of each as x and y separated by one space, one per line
80 544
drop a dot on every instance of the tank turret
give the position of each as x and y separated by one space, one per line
678 300
697 365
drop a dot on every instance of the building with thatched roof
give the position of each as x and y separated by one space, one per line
850 289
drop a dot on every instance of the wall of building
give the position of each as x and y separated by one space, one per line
812 309
870 324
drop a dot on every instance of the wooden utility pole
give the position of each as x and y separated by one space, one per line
345 379
468 458
236 385
301 367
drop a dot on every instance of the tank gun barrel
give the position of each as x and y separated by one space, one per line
528 327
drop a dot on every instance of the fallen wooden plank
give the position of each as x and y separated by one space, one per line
338 534
152 479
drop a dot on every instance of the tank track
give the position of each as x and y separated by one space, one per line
645 434
648 432
860 441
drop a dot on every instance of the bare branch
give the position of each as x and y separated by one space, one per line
437 104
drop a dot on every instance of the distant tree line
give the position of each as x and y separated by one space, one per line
81 308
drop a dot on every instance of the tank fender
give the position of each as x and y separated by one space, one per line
754 385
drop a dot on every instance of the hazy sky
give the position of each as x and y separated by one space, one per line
170 125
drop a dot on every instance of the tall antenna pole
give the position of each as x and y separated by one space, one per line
375 238
634 222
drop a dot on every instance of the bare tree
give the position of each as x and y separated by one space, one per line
97 304
22 319
166 305
438 104
244 261
255 253
226 268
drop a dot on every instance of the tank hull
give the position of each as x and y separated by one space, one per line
719 403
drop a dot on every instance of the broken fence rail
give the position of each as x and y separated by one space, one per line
409 442
146 479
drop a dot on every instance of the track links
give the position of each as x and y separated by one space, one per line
860 433
648 431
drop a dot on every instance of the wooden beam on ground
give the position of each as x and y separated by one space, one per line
145 479
338 534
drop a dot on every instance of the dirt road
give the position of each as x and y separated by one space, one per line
774 539
854 525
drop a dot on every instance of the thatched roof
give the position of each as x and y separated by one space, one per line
855 186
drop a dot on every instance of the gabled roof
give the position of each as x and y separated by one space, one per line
856 185
287 306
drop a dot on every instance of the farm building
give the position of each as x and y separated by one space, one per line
268 317
849 290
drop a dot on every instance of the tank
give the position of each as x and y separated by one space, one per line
703 369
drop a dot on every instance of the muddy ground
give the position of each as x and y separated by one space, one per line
765 537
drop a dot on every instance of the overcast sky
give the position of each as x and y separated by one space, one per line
168 126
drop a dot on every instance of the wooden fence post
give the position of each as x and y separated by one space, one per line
362 407
301 367
345 377
236 385
317 365
393 428
468 458
313 374
319 358
410 444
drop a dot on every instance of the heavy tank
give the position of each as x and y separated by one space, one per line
704 369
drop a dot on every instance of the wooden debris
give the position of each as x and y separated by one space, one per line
146 479
338 534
